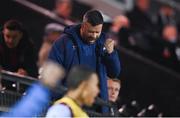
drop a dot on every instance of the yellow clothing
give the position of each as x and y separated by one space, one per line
76 109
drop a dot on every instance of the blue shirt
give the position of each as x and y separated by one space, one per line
89 55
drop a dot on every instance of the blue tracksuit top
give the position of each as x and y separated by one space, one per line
32 105
68 51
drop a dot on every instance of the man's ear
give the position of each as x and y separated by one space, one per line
83 85
83 88
83 25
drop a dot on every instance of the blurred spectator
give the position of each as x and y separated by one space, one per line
170 38
63 9
142 27
119 24
52 32
39 94
114 86
16 50
82 84
139 18
166 16
168 46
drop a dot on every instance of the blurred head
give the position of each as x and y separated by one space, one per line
84 81
51 73
92 26
119 22
167 10
170 33
53 32
114 86
12 32
64 8
143 4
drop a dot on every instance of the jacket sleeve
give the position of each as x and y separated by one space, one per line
31 105
56 53
112 64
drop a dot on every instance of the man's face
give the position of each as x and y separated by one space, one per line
12 37
64 9
143 4
91 90
113 90
90 33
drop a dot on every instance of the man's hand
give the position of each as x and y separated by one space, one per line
109 45
51 73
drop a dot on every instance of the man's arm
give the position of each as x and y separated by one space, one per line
111 59
56 53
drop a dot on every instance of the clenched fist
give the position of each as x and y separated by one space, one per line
109 45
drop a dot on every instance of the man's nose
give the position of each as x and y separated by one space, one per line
113 91
95 35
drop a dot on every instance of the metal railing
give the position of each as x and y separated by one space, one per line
11 88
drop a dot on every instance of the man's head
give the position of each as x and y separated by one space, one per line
53 32
85 82
12 32
143 5
64 8
51 73
170 33
167 9
92 26
114 86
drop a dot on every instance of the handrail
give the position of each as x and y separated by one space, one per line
17 78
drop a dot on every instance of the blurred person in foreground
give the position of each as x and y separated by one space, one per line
82 84
39 94
85 44
16 49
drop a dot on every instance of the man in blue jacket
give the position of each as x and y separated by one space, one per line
85 44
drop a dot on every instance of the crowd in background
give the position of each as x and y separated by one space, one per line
155 36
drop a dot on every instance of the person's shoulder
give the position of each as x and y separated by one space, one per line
59 110
64 39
